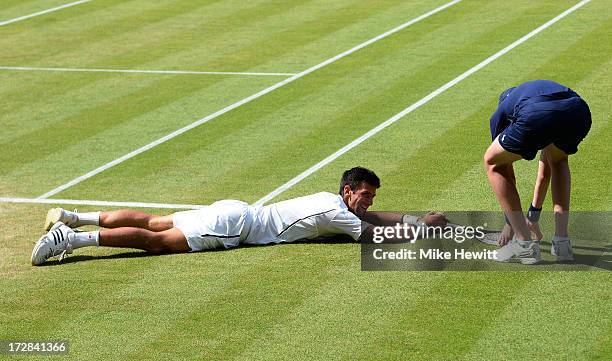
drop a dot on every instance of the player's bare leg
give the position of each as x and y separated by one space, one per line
62 240
131 218
128 228
113 219
168 241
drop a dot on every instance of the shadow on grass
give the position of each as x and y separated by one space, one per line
81 258
139 254
602 260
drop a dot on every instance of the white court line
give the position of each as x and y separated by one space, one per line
6 22
99 203
413 107
239 103
90 70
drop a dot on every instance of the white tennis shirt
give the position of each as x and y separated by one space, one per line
318 215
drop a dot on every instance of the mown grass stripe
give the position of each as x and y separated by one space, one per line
258 300
240 103
347 316
74 130
88 148
456 308
122 43
316 109
59 124
107 29
117 307
566 312
251 56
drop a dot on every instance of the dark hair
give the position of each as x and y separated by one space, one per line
355 176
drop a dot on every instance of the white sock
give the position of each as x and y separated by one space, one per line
85 219
85 239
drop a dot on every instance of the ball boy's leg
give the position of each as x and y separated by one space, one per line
500 172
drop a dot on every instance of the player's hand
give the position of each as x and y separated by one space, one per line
534 227
433 219
506 235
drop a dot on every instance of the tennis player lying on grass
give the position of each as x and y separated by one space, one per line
229 223
536 115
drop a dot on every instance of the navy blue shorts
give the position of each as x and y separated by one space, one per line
543 120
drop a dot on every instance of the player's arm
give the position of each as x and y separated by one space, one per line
379 218
376 234
382 218
367 235
347 223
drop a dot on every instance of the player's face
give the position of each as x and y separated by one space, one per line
361 199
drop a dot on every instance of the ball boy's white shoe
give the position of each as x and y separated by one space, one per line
526 254
562 249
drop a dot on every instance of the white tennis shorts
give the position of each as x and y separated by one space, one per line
222 224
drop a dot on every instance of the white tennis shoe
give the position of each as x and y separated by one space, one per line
55 243
59 215
529 254
562 249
